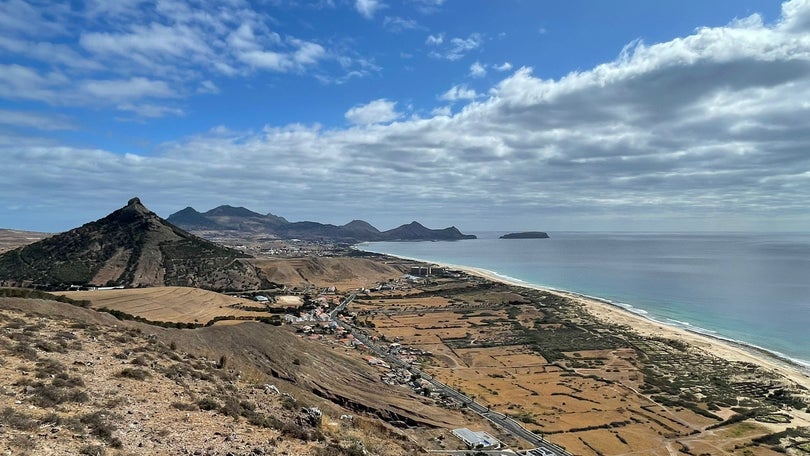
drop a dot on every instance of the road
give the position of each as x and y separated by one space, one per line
342 306
498 419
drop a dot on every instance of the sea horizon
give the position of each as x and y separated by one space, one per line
743 287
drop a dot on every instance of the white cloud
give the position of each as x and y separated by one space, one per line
442 111
796 15
477 70
435 40
153 41
505 66
455 48
307 53
208 87
399 24
267 60
127 89
428 6
367 8
180 43
21 82
377 111
35 120
459 92
150 110
19 17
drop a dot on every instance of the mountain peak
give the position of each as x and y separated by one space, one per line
131 246
231 211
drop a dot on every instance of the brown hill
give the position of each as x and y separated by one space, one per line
132 247
11 239
344 273
78 382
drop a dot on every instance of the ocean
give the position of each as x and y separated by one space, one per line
752 288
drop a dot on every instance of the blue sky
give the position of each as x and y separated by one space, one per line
576 115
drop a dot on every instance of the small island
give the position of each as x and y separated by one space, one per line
526 235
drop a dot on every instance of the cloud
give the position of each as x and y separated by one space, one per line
505 66
179 44
455 48
367 8
208 87
398 24
459 92
428 6
18 82
127 89
442 111
150 110
796 14
377 111
35 120
435 40
705 127
477 70
19 17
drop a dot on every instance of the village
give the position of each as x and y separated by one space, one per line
322 316
321 319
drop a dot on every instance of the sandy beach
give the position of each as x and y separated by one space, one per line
711 345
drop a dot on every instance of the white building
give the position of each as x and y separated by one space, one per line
477 440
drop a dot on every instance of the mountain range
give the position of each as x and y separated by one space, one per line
130 247
229 218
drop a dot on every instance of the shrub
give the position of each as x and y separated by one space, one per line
186 407
48 368
92 450
99 425
17 420
134 374
208 403
25 351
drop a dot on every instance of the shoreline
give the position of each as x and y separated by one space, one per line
609 312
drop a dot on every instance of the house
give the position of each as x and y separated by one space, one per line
477 440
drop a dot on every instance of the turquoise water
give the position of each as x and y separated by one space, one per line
751 288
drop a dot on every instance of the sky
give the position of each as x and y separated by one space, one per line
488 115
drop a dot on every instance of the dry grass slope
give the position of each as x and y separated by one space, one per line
344 273
174 304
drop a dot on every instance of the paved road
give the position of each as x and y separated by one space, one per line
504 422
342 305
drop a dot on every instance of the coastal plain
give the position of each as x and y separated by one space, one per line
591 377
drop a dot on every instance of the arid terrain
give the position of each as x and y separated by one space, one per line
11 239
342 273
169 304
592 387
77 380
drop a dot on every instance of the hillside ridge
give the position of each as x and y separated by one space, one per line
131 247
240 219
